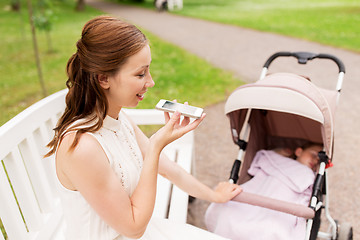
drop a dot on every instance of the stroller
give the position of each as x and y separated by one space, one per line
285 109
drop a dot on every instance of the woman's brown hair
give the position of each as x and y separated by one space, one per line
105 45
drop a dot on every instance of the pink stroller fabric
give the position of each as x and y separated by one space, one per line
274 176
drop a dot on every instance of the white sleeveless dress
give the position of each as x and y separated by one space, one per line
117 138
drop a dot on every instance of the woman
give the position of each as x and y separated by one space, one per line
107 168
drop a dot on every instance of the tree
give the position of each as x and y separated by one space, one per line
80 5
36 49
15 5
43 20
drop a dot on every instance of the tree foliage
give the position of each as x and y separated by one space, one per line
44 18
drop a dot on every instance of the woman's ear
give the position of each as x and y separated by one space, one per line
103 81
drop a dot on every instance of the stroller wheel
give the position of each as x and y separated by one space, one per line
344 231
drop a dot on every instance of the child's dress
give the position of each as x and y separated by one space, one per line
118 141
274 176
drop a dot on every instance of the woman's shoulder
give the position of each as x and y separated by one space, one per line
86 145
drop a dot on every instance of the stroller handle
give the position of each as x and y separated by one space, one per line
304 57
275 204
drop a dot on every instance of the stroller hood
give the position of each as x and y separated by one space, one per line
294 107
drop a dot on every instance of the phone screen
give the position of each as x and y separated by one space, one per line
179 107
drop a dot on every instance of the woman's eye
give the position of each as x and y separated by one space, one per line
141 75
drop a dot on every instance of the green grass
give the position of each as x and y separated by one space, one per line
19 85
174 70
330 22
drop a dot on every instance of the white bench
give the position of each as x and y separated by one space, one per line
29 205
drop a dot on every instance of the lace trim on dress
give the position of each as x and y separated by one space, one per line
119 128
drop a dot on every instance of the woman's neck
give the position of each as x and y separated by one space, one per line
114 113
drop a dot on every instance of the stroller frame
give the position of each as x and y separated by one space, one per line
320 187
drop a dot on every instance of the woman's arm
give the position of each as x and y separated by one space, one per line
223 192
188 183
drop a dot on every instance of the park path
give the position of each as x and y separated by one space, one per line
243 52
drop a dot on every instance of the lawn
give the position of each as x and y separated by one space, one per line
173 69
19 85
330 22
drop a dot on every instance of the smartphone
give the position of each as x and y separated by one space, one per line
185 110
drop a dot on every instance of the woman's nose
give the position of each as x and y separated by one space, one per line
149 82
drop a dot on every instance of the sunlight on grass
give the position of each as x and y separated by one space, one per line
330 22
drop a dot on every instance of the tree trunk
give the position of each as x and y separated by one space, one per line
80 6
15 5
36 50
49 42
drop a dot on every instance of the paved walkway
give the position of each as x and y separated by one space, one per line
243 52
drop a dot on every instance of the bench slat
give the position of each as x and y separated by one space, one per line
9 213
179 199
164 188
23 189
35 169
42 137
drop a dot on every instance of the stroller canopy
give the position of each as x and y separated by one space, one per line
284 106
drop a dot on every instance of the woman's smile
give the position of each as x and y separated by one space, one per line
141 96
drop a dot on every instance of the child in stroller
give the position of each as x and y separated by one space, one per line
284 109
275 175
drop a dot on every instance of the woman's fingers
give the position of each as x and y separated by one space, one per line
167 117
196 123
227 191
173 129
185 121
184 126
175 118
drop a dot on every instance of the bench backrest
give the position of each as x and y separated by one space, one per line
29 205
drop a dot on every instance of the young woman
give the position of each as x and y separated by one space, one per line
107 168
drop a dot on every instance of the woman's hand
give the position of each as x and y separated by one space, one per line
225 191
174 129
